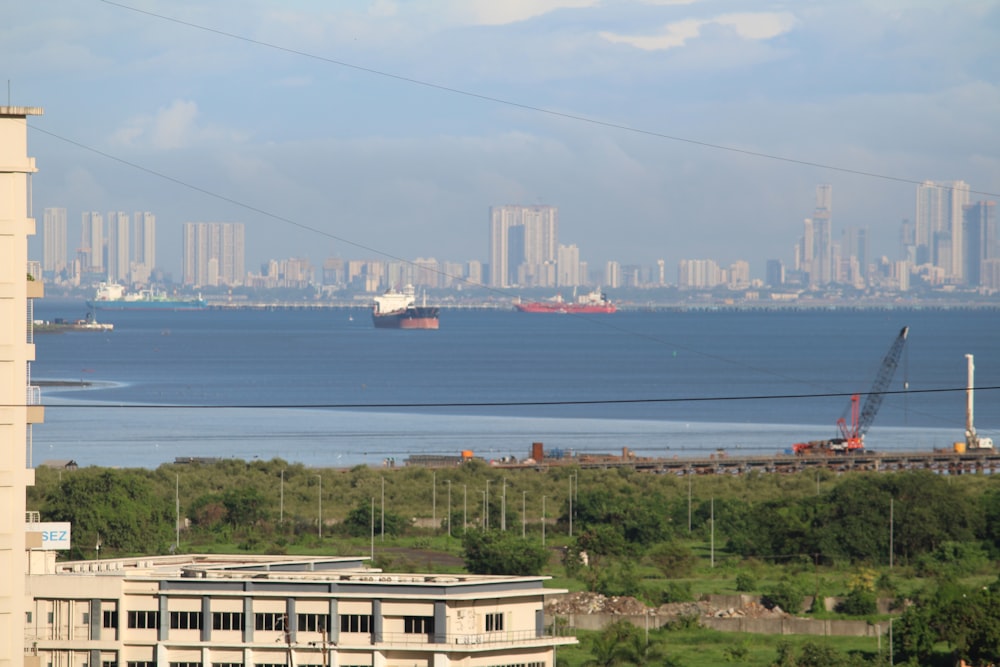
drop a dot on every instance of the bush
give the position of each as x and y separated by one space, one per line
673 560
745 582
859 602
786 595
676 592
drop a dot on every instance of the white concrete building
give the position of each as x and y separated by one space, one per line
270 611
19 407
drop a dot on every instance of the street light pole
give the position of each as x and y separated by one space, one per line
543 521
281 499
434 500
449 507
465 508
319 507
486 507
503 506
524 515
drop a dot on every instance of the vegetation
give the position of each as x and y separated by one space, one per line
787 538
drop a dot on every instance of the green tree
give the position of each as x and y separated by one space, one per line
359 522
499 552
245 506
116 507
672 559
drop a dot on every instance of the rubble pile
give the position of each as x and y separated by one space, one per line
595 603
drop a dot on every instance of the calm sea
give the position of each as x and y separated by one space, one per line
326 388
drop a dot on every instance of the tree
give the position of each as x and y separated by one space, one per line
118 508
245 506
359 522
499 552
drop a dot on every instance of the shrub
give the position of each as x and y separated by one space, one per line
745 582
859 602
786 595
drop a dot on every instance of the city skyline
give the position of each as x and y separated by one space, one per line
660 130
525 247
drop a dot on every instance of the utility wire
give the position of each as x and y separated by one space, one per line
497 404
530 107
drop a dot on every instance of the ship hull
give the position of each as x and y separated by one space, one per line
414 317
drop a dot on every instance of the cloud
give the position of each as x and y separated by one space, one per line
749 26
172 128
504 12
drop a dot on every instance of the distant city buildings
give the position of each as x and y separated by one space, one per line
523 246
54 241
949 243
214 254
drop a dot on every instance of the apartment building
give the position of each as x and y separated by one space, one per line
271 611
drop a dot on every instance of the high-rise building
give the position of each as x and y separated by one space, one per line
821 269
92 242
775 273
613 274
143 241
568 274
524 241
54 241
19 401
118 246
214 254
938 226
981 242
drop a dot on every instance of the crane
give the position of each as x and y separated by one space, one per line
852 436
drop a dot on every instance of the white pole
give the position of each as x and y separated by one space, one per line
503 506
177 508
281 500
465 508
713 531
486 507
382 530
373 530
571 506
319 511
449 508
524 515
891 530
543 521
434 500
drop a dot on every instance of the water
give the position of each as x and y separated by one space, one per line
324 388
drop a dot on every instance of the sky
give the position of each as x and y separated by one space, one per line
661 129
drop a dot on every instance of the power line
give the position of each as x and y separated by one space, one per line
533 108
494 404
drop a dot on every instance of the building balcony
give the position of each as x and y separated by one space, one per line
33 402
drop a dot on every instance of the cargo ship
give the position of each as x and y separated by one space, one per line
594 302
112 296
398 310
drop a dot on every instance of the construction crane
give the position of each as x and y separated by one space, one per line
852 436
973 441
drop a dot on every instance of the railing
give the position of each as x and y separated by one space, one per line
34 395
476 639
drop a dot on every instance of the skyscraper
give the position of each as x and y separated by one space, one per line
981 242
54 241
938 226
524 242
92 243
213 254
143 246
118 246
821 271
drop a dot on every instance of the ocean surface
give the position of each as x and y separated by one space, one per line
323 387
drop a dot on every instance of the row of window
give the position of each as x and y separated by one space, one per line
233 620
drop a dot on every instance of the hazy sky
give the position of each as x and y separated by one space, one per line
316 111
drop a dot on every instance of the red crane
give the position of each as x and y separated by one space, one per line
853 434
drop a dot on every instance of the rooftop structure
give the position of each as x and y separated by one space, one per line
264 611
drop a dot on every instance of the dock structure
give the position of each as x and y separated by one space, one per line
943 462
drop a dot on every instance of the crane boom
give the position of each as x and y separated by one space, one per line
853 435
882 380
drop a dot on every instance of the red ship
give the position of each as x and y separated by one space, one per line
595 302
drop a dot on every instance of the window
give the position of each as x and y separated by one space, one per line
86 617
109 663
144 619
418 625
27 617
184 664
494 622
356 623
140 663
269 621
313 622
227 620
109 618
51 617
227 664
185 620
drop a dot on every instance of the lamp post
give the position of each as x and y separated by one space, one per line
486 507
503 507
465 508
571 504
319 508
449 506
543 521
524 515
484 510
281 499
434 500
